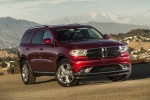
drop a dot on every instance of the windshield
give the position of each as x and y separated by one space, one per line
77 34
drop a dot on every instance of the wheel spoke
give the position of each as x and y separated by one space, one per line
67 80
63 69
60 77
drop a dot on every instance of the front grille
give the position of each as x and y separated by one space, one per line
105 68
94 53
105 52
112 52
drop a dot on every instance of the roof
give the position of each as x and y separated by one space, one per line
59 26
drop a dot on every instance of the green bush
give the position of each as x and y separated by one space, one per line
3 65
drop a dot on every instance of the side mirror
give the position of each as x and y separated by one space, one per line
47 41
106 36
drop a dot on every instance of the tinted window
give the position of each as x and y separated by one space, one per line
26 37
47 34
38 37
79 34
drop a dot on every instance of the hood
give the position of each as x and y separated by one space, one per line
91 44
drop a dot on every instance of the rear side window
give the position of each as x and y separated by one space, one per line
26 37
38 37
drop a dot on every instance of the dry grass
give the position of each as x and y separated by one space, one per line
137 46
6 54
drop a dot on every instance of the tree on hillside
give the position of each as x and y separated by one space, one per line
1 59
130 49
7 59
3 64
142 50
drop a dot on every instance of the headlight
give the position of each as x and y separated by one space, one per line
123 48
80 52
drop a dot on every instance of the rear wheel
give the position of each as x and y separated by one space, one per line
26 73
64 74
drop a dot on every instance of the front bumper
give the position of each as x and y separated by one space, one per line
110 73
80 64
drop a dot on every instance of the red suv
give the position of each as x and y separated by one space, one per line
71 52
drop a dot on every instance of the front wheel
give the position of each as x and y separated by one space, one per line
64 74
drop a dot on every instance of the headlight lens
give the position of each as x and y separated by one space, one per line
80 52
123 48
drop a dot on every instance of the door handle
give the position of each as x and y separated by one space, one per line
27 48
41 49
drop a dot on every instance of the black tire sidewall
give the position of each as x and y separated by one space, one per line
31 78
129 73
23 63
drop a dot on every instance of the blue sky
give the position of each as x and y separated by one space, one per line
43 11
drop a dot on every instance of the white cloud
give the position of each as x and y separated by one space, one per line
46 10
48 1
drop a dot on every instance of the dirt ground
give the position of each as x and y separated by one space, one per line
136 88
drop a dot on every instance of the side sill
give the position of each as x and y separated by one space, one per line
42 73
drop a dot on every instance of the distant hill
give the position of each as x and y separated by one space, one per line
108 22
135 39
12 29
138 35
115 28
136 19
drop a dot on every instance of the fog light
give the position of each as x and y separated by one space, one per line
86 70
125 67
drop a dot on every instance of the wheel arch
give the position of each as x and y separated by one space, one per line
59 58
21 60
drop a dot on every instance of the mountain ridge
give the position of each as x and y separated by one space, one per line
137 19
11 29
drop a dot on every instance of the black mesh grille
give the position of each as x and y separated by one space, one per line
105 68
94 53
112 52
103 52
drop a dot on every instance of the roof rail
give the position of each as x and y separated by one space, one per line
39 26
74 24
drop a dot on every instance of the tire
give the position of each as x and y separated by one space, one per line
129 74
120 77
26 73
64 74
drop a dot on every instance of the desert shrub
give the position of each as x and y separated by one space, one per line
3 65
10 70
1 73
1 59
14 64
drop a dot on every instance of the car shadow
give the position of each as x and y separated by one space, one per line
139 71
53 79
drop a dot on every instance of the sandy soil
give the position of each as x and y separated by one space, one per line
136 88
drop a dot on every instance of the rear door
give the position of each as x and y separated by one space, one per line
41 58
36 43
